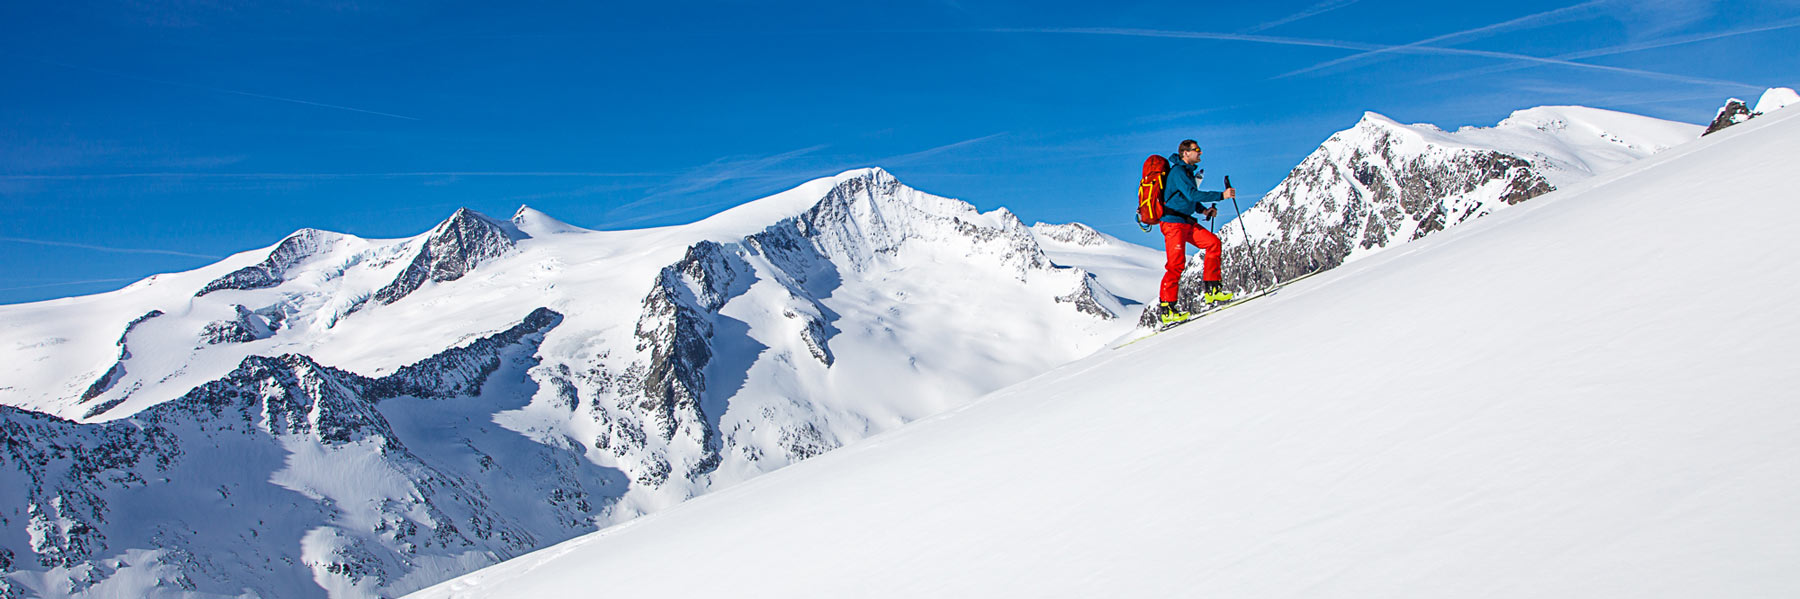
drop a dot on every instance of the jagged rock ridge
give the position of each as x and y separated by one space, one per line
452 250
72 481
291 252
1382 183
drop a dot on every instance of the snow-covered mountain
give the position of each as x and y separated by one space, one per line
1382 183
356 418
1521 406
1736 111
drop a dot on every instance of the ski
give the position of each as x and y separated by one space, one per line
1220 307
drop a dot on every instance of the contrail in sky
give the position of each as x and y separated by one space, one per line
1524 21
1629 48
323 176
1197 35
1322 7
102 248
910 156
1413 48
65 284
712 175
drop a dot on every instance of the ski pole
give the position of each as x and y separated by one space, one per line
1248 247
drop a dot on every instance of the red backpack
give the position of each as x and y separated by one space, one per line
1150 191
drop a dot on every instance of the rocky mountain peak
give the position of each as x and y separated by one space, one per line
451 250
1382 183
293 251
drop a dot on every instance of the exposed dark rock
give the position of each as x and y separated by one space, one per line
814 335
1733 112
1086 299
267 405
291 252
1387 192
804 441
125 353
453 249
105 382
459 371
674 329
117 372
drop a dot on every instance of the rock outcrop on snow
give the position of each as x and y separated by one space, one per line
117 371
1737 111
1733 112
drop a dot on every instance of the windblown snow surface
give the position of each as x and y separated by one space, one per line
1588 395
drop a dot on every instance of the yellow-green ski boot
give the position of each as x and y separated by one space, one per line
1167 313
1216 294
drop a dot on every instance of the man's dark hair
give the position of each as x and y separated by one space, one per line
1188 144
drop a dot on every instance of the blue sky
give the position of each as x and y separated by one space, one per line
140 137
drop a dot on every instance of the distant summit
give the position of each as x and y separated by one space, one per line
1736 111
1383 183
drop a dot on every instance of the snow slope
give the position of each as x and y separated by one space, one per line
1777 98
1575 397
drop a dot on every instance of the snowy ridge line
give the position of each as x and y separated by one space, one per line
272 271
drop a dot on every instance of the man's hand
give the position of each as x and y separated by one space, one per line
1211 213
1230 193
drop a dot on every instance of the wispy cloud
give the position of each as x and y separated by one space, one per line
750 172
221 90
1369 49
1646 18
1626 49
1193 35
1158 118
1532 20
311 176
711 176
1584 65
101 248
65 284
1314 10
915 157
724 170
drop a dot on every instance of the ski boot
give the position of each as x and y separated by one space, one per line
1167 313
1215 293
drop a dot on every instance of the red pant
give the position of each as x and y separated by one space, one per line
1176 236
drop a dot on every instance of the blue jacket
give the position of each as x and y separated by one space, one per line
1181 199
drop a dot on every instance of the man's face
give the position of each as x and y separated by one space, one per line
1191 156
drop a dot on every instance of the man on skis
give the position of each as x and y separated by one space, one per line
1183 204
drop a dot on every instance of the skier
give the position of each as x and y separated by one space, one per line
1183 204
